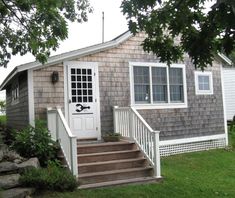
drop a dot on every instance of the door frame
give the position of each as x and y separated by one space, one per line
66 91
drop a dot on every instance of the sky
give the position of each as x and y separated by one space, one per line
82 35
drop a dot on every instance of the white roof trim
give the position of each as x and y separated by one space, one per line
68 55
225 58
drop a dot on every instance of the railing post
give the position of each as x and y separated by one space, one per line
73 149
114 119
157 162
52 122
131 124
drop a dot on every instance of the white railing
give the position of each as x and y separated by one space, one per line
60 132
129 123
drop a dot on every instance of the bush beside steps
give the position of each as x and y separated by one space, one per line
54 177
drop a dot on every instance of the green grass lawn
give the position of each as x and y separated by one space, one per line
202 174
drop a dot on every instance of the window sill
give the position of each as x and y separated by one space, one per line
160 106
204 93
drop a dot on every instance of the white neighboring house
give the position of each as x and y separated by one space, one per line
229 91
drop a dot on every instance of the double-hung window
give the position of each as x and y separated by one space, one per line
156 84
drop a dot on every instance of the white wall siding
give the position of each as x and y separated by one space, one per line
229 91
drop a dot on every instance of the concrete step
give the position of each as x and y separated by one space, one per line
111 165
97 177
108 156
141 180
105 147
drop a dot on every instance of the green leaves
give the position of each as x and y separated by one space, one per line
201 34
37 26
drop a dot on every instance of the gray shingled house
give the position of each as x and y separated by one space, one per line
116 86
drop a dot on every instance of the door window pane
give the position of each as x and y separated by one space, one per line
141 84
80 88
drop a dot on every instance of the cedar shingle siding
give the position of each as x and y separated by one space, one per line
204 115
47 94
18 114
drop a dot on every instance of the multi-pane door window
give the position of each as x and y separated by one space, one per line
155 84
81 85
203 83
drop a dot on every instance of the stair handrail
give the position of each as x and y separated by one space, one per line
61 133
129 123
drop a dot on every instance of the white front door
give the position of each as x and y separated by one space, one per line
83 99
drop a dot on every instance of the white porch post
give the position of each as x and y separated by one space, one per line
131 124
157 162
73 149
115 119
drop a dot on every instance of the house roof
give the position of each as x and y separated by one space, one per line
68 56
79 53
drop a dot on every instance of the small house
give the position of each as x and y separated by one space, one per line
117 87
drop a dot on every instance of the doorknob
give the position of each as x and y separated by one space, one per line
70 100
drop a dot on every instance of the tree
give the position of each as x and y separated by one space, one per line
36 26
232 56
2 105
202 34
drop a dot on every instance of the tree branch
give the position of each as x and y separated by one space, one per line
19 19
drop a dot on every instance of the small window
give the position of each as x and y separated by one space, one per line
203 83
15 93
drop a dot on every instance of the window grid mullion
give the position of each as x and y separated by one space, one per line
151 85
168 84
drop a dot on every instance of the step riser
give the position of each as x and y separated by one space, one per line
108 157
108 148
112 166
116 176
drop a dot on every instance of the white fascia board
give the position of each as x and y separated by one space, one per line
76 53
8 78
68 56
225 58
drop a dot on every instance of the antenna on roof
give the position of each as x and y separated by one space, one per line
102 27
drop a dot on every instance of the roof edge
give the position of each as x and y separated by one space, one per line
68 55
225 59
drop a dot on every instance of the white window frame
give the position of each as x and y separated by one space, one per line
152 105
203 92
15 90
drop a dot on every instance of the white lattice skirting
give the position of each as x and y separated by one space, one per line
173 149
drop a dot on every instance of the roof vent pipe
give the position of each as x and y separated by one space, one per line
102 27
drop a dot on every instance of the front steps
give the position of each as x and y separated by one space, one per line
114 163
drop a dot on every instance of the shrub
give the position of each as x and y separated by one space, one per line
36 142
8 135
54 177
112 137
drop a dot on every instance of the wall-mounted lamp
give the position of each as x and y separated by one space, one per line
55 77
